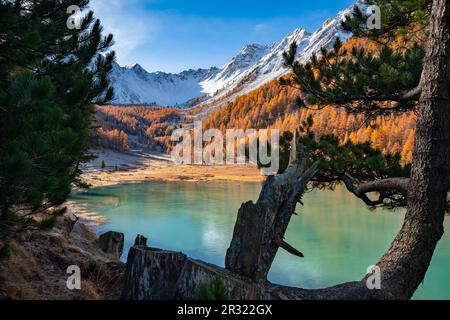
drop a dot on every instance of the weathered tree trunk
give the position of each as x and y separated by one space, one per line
112 242
406 262
404 265
260 227
153 274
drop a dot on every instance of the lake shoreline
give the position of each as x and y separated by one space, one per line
136 168
128 168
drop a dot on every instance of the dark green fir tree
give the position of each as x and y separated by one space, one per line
51 74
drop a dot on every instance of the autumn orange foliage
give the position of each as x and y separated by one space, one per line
135 126
274 106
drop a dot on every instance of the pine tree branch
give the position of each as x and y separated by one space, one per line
412 95
380 186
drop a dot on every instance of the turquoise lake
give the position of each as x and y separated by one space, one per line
339 236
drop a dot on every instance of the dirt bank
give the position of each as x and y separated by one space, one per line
36 268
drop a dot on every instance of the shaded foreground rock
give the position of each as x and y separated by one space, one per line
112 243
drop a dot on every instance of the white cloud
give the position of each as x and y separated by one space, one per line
128 22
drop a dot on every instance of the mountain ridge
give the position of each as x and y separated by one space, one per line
253 66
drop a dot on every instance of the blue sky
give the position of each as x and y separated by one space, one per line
175 35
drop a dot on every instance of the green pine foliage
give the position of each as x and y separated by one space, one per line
284 152
359 160
217 290
50 77
335 160
380 79
397 17
358 80
374 82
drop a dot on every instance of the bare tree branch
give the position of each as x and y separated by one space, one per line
286 246
361 190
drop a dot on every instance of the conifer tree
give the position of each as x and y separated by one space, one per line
408 71
50 77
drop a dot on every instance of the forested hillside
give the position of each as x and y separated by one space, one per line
123 128
270 106
274 106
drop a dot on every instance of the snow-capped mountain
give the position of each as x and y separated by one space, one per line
134 85
252 67
232 72
270 66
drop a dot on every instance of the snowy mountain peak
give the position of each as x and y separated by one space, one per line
249 54
135 66
298 33
252 48
134 85
253 66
